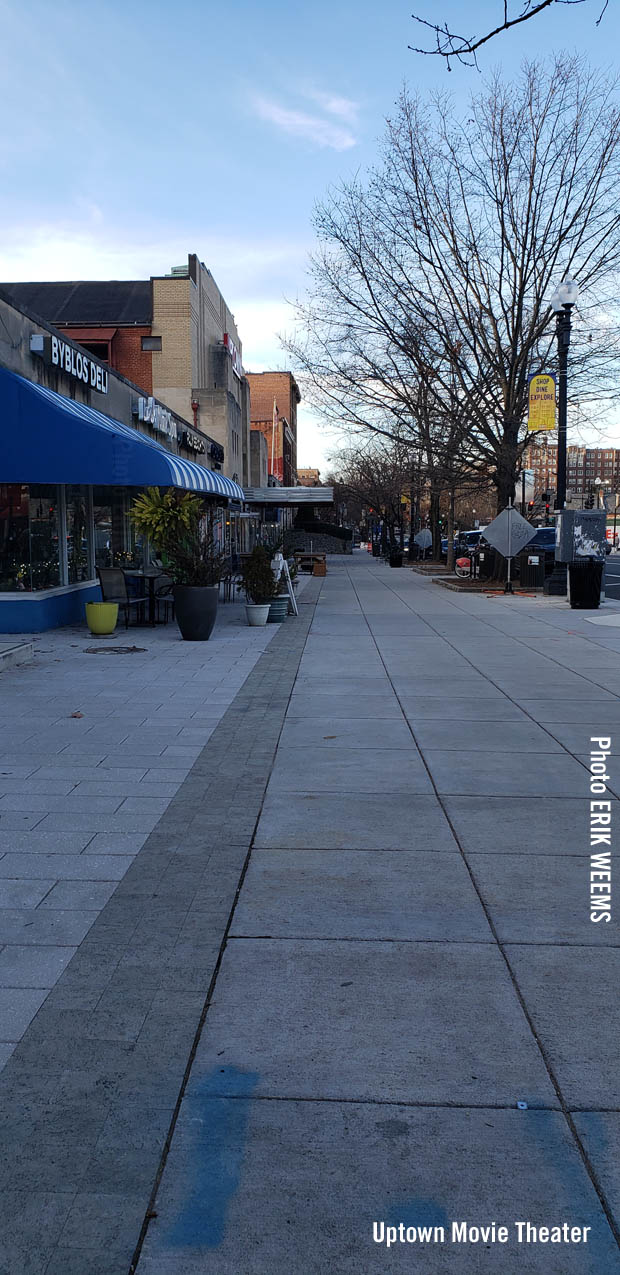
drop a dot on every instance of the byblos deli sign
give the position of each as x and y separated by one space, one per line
78 365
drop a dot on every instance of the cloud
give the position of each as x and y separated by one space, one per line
343 108
313 128
95 249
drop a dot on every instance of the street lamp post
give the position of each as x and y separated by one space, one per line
562 301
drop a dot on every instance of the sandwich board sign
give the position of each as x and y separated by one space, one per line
509 533
279 566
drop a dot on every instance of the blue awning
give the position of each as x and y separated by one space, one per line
47 438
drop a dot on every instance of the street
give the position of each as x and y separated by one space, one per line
358 982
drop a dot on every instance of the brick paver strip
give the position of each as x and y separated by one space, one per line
88 1096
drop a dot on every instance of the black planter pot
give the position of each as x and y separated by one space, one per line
196 609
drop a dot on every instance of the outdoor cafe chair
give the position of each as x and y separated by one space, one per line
114 589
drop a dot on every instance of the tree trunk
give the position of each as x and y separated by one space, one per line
451 532
435 528
506 471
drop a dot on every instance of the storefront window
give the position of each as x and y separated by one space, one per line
43 569
29 539
14 537
115 540
77 512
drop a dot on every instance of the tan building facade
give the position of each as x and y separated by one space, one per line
309 477
199 366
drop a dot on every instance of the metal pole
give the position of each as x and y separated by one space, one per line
556 584
523 494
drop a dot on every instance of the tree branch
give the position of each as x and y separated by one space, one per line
450 45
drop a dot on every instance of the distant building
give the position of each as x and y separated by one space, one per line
274 397
173 335
309 477
583 465
259 459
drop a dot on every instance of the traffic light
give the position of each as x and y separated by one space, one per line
530 505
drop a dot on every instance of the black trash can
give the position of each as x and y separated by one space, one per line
532 569
376 549
396 558
585 578
487 561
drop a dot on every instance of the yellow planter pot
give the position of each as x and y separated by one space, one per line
101 617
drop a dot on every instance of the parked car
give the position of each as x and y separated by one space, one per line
464 542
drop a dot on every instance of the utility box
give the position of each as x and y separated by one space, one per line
580 533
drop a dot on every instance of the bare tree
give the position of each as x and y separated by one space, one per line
429 305
375 474
464 48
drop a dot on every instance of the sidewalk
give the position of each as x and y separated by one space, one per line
356 938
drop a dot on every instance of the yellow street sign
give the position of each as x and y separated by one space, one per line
541 413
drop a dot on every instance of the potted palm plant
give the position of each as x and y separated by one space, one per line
259 585
174 523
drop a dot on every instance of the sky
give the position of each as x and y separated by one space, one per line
137 131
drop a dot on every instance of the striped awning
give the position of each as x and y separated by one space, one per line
47 438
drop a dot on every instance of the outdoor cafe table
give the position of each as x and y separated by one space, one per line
150 574
306 559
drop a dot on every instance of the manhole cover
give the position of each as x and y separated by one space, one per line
113 650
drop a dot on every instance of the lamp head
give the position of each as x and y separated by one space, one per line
566 293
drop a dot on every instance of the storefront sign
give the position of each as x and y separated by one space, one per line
234 354
74 362
190 442
541 402
158 417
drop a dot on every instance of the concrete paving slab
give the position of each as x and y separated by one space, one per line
446 688
341 704
546 901
33 967
429 708
612 769
290 1187
24 893
66 927
18 1006
564 686
559 710
89 895
70 867
355 770
360 895
344 732
537 774
579 1028
522 825
346 684
377 1021
483 737
576 737
600 1134
37 842
330 821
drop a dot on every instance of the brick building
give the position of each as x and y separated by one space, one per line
583 465
173 335
274 397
